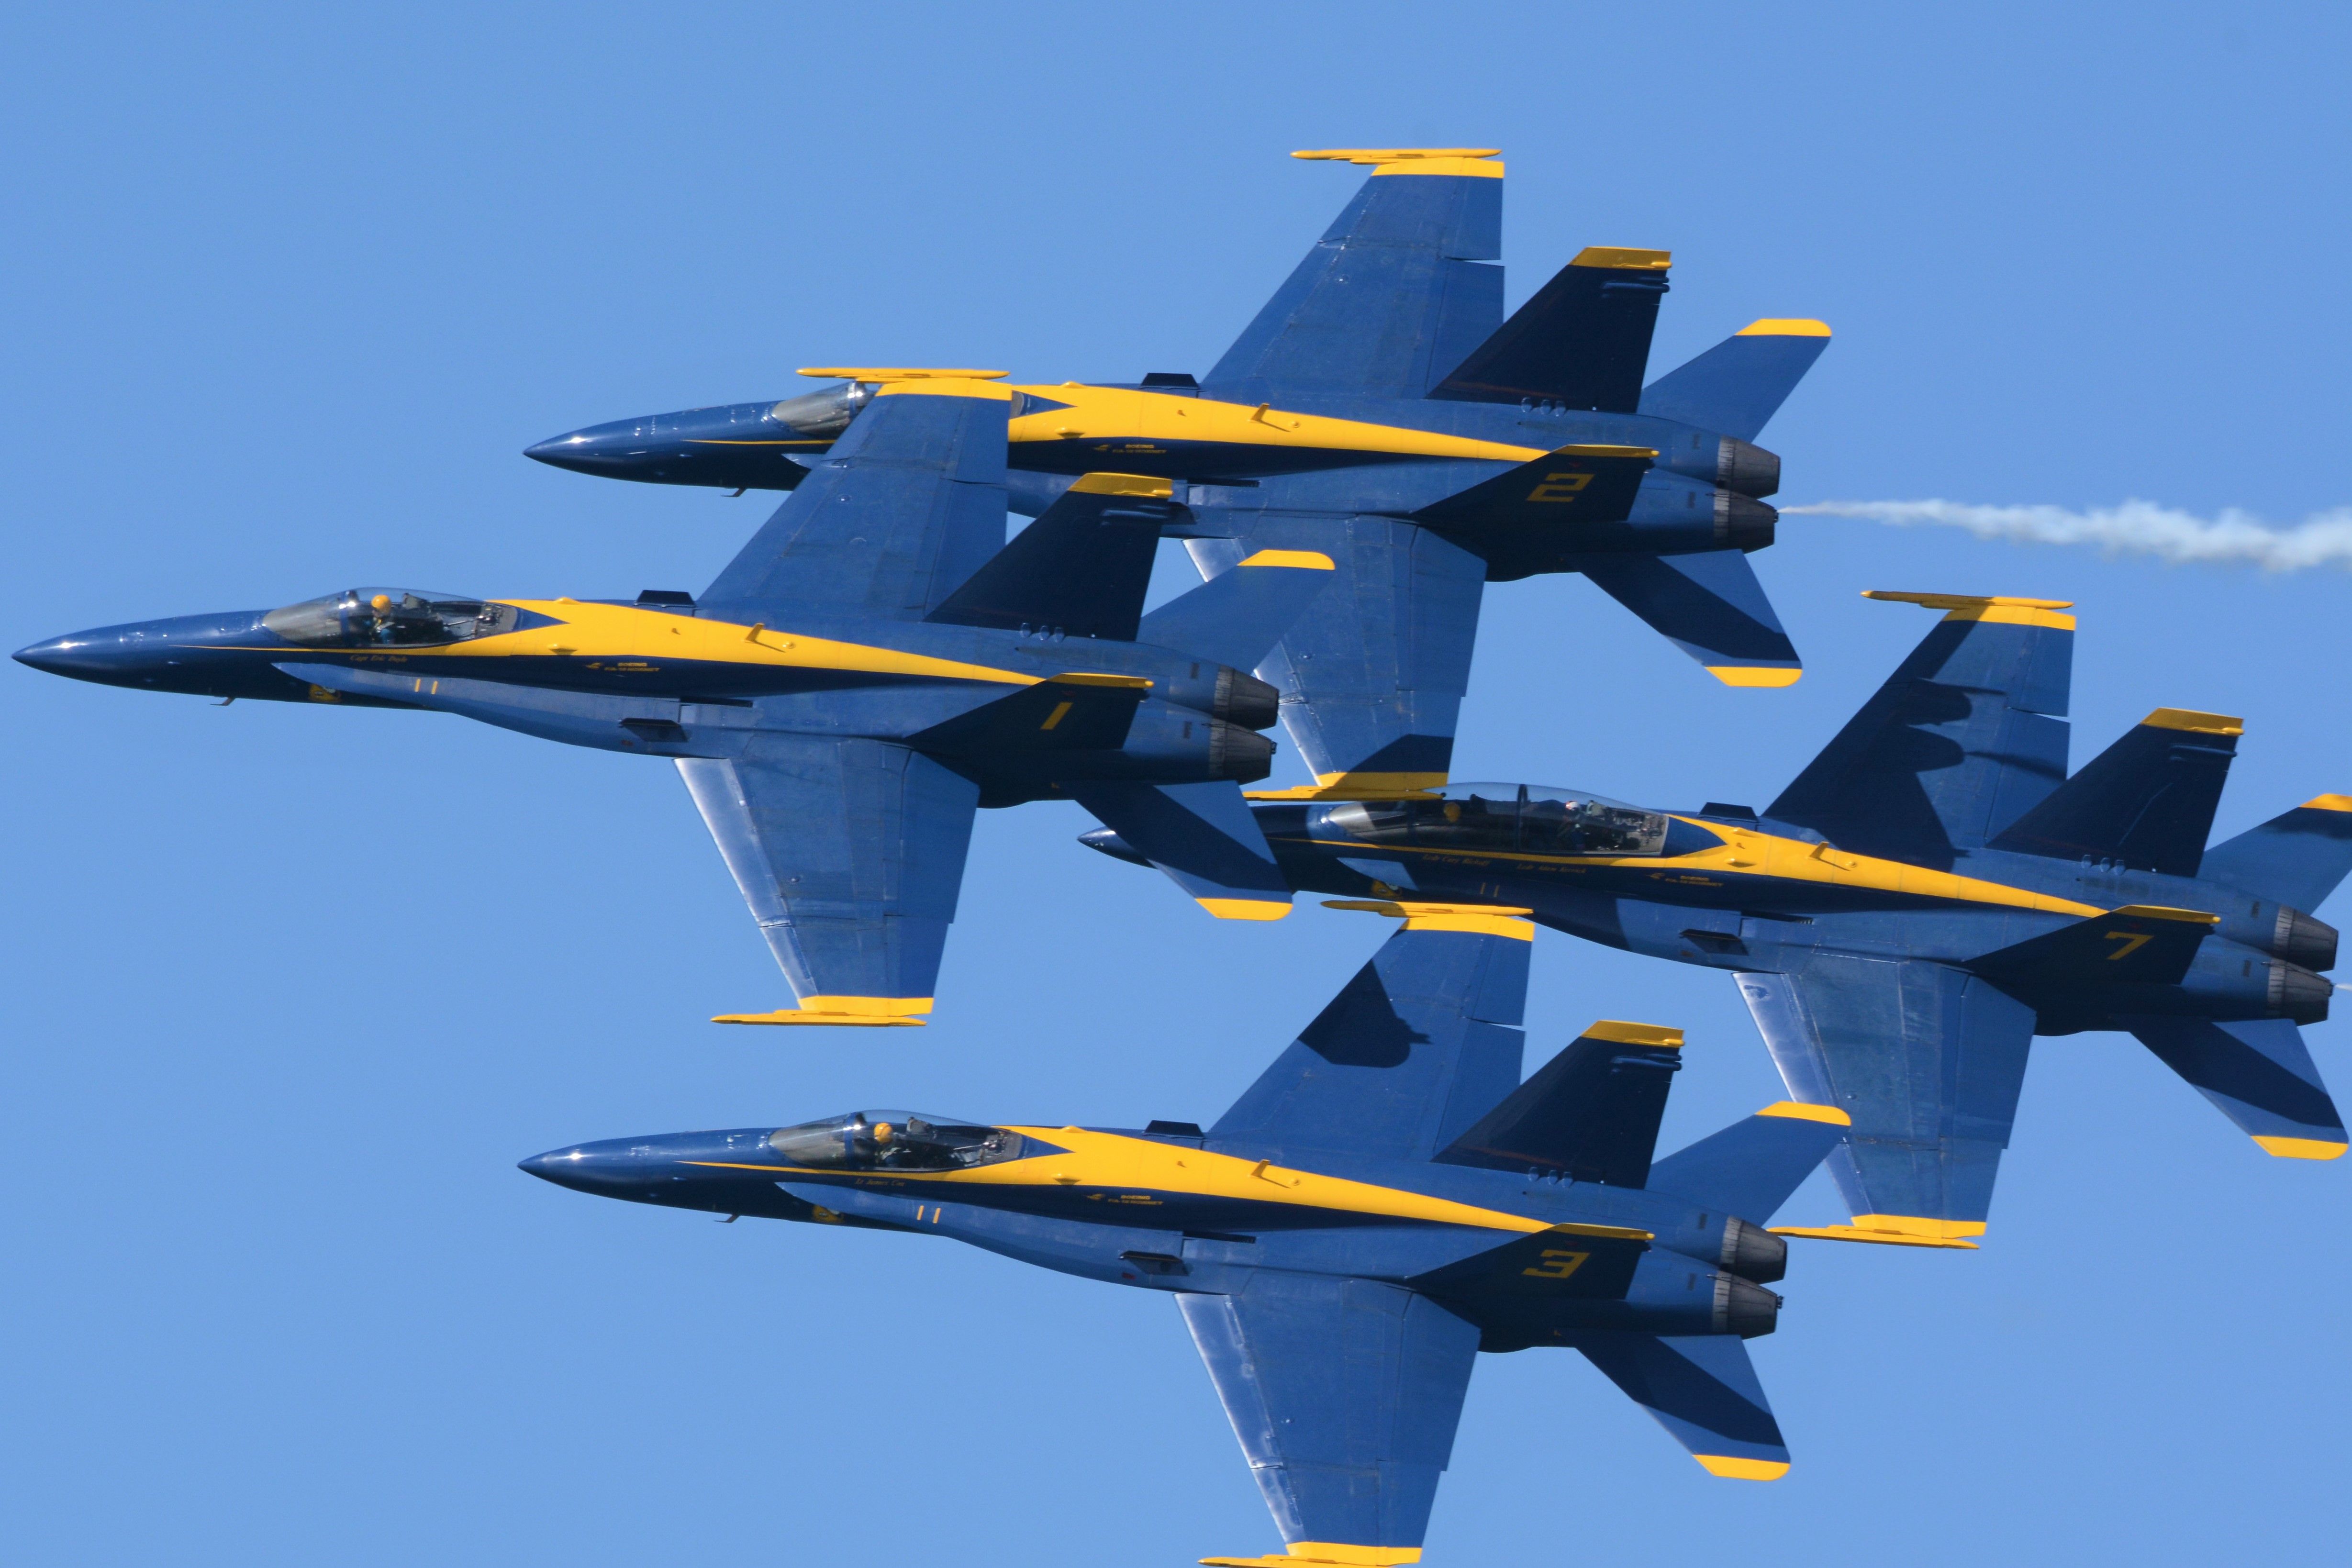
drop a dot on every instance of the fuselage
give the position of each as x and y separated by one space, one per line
661 678
1234 452
1747 893
1177 1211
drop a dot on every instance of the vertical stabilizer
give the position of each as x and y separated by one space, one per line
2147 801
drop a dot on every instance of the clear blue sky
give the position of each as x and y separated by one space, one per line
284 291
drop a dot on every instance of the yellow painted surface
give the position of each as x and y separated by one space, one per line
1307 1554
801 1016
1357 787
1743 1469
1123 485
1142 420
2194 722
1798 1111
1747 853
1754 676
1619 1032
624 632
1857 1233
1112 1160
1304 559
1244 908
2301 1148
1477 919
1784 327
1624 257
2162 912
2329 803
2000 610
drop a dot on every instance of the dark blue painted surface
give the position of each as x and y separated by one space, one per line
1339 1333
1911 1011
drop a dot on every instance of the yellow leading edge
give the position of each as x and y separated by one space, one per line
1302 1554
2301 1148
1738 1469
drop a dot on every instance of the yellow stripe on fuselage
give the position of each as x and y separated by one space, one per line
1147 419
1746 856
622 632
1098 1160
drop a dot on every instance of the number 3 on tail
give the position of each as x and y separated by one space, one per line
1555 1264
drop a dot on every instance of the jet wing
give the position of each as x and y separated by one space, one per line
1926 1058
1424 1041
850 853
1394 295
908 505
1345 1394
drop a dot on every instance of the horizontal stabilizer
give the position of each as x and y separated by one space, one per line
1703 1391
2296 858
1062 713
1568 487
2138 945
1709 605
1082 568
1581 342
1590 1114
1203 836
1751 1167
1964 735
2147 801
2258 1073
1412 1050
1236 617
1736 387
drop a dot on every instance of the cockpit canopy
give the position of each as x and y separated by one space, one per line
894 1141
389 617
1529 818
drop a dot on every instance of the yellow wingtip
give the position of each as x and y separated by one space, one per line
1244 908
2197 723
1624 258
1785 327
2302 1148
1303 559
801 1016
2329 803
1618 1031
1739 1469
1755 674
1797 1110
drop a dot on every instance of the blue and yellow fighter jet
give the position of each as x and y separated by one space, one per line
1382 411
874 665
1926 896
1387 1200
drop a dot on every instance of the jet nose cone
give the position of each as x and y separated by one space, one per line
86 656
56 656
602 449
587 1167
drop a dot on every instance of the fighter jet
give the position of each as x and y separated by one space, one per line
1387 1200
874 665
1926 897
1382 411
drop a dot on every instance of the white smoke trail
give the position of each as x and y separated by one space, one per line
2140 528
